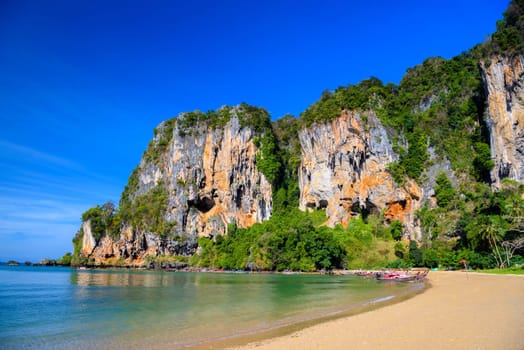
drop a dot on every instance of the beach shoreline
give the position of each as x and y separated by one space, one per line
458 310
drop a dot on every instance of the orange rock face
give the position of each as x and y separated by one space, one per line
504 82
343 170
211 179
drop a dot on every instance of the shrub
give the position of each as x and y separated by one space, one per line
444 191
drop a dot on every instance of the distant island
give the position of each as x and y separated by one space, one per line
64 261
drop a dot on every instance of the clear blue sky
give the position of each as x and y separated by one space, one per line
83 83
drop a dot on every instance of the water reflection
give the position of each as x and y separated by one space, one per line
123 309
125 279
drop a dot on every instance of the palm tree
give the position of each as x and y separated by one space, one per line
493 230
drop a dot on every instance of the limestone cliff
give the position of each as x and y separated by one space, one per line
343 170
203 171
504 82
209 177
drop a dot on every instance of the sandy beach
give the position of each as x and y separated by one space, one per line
458 311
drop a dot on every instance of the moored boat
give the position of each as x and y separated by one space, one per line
414 275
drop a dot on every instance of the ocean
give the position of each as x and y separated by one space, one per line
63 308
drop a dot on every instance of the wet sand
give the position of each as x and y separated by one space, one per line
459 311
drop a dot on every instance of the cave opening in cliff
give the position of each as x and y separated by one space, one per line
402 204
238 196
203 204
311 205
369 208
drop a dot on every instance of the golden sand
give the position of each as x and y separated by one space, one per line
459 311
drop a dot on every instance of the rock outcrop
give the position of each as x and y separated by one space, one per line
132 247
343 171
504 82
204 170
211 180
211 177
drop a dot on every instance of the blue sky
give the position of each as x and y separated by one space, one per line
83 83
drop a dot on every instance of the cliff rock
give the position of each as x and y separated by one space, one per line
200 173
343 171
504 82
209 177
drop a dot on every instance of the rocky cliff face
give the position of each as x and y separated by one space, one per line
343 170
205 172
132 247
210 177
504 83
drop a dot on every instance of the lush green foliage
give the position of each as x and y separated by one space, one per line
286 191
130 188
396 229
65 260
248 116
267 158
189 122
414 160
164 133
437 108
158 147
285 242
367 244
147 211
482 162
509 37
444 191
440 102
496 218
479 227
369 94
103 220
292 241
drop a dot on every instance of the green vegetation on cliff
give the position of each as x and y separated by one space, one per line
248 116
104 219
147 211
437 109
292 241
214 119
480 226
440 102
509 37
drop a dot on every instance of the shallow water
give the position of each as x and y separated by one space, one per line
61 308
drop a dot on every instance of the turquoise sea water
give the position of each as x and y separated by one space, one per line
61 308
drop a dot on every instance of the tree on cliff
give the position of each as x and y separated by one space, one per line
509 37
436 115
444 191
